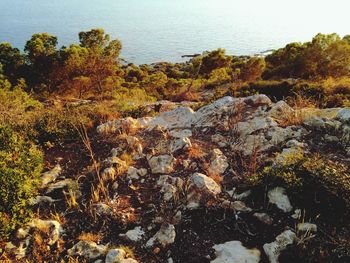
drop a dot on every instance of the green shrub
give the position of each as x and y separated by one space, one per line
307 177
17 108
20 165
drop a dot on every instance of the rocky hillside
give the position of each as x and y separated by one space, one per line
238 180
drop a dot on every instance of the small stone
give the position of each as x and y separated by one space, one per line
297 214
50 176
165 236
118 255
278 197
218 162
263 217
87 249
134 235
163 164
274 249
307 227
235 205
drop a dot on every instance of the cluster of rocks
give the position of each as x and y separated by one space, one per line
248 126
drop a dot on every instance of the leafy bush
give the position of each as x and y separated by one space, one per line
309 177
20 165
17 108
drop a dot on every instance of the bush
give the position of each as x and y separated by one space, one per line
130 99
308 178
20 165
17 108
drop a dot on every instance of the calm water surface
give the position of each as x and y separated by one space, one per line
163 30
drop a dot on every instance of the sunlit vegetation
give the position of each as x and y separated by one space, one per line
47 91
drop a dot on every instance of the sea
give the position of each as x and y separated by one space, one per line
165 30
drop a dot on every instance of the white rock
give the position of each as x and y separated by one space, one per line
162 164
50 176
274 249
135 234
87 249
218 162
180 144
201 185
344 115
38 200
280 109
66 183
179 133
118 255
278 197
235 205
51 227
165 236
219 140
170 186
307 227
234 252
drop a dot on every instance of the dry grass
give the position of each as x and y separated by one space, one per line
301 111
94 237
196 151
71 199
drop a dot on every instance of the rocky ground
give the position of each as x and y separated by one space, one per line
172 188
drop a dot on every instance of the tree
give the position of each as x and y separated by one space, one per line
214 60
12 60
251 69
41 55
102 60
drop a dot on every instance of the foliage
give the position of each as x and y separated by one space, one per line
130 99
312 175
17 108
20 166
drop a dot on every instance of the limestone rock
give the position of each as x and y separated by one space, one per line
135 234
235 205
180 144
201 185
50 176
170 186
218 162
180 133
162 164
278 197
51 227
234 252
274 249
165 236
307 227
87 249
118 255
